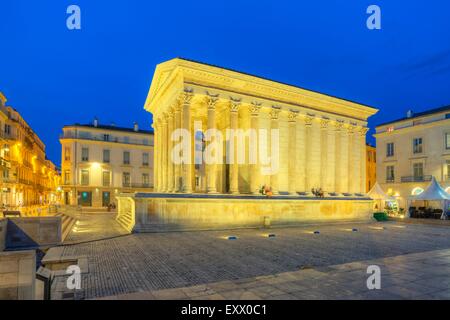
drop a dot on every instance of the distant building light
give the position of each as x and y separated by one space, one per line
390 129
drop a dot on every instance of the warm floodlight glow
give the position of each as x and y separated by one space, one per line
268 235
377 228
95 165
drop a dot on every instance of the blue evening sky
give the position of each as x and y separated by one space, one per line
55 76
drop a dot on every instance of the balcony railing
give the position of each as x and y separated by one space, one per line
416 178
137 185
111 139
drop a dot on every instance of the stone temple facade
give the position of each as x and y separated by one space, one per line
320 144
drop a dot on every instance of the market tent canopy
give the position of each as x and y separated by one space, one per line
434 192
377 193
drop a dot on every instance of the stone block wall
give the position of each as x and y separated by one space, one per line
32 232
17 275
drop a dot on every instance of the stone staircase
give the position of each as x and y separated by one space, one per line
67 222
126 221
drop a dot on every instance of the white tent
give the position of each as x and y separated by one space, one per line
377 193
434 192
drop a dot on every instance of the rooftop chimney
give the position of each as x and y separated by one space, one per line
136 127
96 122
409 114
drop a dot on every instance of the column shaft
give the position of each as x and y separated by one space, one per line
309 181
177 174
255 178
170 162
274 125
234 166
292 150
211 167
164 154
188 167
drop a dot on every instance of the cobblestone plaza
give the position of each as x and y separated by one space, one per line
296 263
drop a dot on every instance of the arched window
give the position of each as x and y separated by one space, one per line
416 191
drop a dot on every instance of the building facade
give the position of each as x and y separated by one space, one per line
371 166
28 177
413 149
320 143
101 161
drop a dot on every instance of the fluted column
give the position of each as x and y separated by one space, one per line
356 161
350 157
156 169
363 133
309 181
274 125
344 161
315 163
164 153
255 178
331 159
323 153
301 155
170 162
234 166
177 166
187 168
211 167
292 117
339 159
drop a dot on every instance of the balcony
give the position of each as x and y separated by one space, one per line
69 135
137 185
416 178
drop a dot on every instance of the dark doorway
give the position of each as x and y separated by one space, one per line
106 198
85 198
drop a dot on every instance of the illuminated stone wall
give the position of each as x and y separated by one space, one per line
167 214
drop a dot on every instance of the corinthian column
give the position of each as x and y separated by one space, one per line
274 125
164 153
339 159
323 153
156 168
177 166
356 141
331 159
363 133
255 178
350 163
301 156
315 161
234 166
309 181
170 163
211 167
293 152
187 168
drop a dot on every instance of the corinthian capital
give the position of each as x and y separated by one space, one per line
255 107
363 131
186 97
292 116
274 113
324 123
